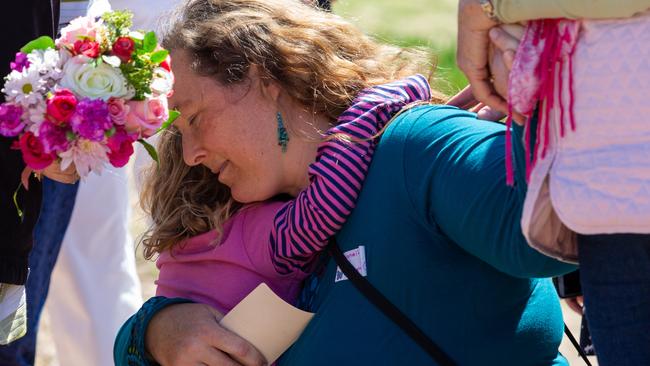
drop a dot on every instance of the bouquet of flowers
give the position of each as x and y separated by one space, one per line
83 100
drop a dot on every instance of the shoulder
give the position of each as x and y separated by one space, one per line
425 131
436 120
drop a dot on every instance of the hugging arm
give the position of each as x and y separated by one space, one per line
177 332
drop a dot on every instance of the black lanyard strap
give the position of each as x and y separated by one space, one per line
388 308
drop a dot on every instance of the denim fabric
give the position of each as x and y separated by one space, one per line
58 202
615 276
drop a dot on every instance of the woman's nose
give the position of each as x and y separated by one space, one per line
193 154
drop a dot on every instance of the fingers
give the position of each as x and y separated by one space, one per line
214 357
484 92
236 347
503 40
515 30
489 114
464 99
54 172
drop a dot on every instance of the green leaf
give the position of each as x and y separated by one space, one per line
112 60
150 42
173 114
40 43
159 56
111 132
150 149
18 210
70 135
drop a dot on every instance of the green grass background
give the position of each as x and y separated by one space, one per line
415 23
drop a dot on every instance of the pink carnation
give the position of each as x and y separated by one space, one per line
53 137
20 63
118 110
91 119
121 146
11 123
146 116
79 28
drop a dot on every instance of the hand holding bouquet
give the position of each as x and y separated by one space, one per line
83 100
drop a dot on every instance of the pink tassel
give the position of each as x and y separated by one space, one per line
549 70
510 176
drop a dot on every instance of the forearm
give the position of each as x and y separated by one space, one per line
129 347
512 11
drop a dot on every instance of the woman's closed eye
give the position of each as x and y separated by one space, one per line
192 120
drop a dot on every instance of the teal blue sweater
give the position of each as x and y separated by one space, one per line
443 241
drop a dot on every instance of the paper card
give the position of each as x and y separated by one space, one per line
267 321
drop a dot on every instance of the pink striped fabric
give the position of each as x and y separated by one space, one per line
304 225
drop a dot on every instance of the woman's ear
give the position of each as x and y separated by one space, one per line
269 87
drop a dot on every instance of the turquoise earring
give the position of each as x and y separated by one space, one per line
283 136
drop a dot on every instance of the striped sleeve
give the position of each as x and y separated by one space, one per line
303 226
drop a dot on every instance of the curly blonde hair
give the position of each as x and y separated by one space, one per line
320 59
182 201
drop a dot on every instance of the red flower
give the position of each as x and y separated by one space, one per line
61 106
34 153
121 146
167 64
87 48
123 48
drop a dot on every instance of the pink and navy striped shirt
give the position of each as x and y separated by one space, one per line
304 225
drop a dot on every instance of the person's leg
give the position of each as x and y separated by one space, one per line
615 276
95 287
58 201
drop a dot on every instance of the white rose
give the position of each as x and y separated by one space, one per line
87 80
162 81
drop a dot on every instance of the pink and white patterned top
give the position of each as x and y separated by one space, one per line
590 168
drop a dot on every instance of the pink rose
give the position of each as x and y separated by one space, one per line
118 110
34 153
146 116
121 146
79 28
61 106
87 48
11 123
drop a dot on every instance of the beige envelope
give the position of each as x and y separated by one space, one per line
267 321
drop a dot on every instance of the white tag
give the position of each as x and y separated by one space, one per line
356 257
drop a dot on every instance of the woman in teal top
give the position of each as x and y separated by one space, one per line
439 226
442 241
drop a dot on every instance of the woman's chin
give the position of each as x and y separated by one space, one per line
246 196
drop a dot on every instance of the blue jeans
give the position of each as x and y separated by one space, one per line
615 276
56 209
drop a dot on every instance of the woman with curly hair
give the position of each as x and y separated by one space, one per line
279 99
